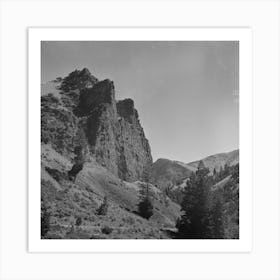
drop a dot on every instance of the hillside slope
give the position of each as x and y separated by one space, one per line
69 200
166 173
93 149
218 160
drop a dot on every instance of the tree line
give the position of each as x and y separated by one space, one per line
209 213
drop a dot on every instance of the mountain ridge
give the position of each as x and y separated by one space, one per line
167 172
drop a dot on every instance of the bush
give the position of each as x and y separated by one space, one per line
45 219
78 221
106 230
56 174
145 208
103 209
129 220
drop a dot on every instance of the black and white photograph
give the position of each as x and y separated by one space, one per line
140 140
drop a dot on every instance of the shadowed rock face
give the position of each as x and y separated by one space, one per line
90 98
114 133
109 131
127 111
77 80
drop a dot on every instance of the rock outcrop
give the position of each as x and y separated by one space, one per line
87 114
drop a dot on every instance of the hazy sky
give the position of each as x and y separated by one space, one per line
186 93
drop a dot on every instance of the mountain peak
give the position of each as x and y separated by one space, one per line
108 132
126 110
78 79
85 71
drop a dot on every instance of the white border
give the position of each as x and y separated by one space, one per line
243 35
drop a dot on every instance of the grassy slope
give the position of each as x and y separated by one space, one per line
81 199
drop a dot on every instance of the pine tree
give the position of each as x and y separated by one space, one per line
226 170
45 219
216 219
214 172
231 198
194 223
145 206
220 174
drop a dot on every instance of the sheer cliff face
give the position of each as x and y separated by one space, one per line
88 115
132 146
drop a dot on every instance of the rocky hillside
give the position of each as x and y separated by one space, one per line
93 148
80 112
67 201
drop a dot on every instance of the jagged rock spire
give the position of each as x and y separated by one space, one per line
78 79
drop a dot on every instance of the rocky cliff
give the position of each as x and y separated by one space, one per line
82 112
93 148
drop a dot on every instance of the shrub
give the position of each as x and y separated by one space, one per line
106 230
76 197
78 221
45 219
56 174
129 220
103 209
145 208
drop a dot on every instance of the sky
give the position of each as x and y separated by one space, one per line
186 93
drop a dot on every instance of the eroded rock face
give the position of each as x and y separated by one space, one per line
88 115
77 80
133 147
127 111
99 94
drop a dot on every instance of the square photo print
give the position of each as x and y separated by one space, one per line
139 140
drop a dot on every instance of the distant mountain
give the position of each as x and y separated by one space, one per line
166 173
172 178
217 161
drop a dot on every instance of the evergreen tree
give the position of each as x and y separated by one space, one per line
231 198
145 206
193 224
45 219
226 170
216 219
220 174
